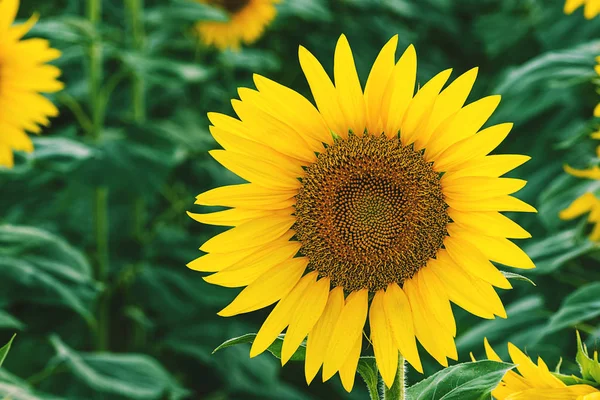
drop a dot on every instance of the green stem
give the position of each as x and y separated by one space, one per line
136 10
101 193
398 389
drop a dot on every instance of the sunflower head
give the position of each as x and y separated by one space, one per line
247 22
532 381
379 204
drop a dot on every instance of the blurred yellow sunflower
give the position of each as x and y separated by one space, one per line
23 75
591 7
535 381
586 203
381 205
247 22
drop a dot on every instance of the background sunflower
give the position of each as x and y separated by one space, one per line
94 238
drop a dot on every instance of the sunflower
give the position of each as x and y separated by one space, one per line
535 381
23 75
381 205
591 9
247 21
586 203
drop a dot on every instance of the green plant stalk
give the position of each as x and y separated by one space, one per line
136 10
100 193
398 389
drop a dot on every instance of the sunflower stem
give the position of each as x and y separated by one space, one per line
138 94
398 389
94 11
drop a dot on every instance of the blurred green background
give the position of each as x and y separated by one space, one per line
147 328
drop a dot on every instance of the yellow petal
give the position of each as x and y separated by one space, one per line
572 5
269 130
318 338
233 217
474 262
399 92
324 92
254 265
530 371
502 203
458 285
377 85
305 317
433 292
492 166
447 103
268 288
247 195
386 354
348 370
583 204
421 106
590 173
296 109
281 315
489 351
347 329
497 249
249 234
480 187
490 223
238 144
8 13
256 170
465 123
399 316
476 146
352 101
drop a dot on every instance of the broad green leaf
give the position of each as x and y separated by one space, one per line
517 277
5 349
590 368
274 349
468 381
135 376
367 369
581 305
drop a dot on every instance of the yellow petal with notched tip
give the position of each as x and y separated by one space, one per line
348 370
350 94
399 315
268 288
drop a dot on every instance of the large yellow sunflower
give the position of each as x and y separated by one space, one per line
535 381
247 22
382 204
591 7
23 75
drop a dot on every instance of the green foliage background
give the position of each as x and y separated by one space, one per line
161 324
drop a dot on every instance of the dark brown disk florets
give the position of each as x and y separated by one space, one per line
370 212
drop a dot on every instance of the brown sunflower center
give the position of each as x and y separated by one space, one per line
370 212
231 6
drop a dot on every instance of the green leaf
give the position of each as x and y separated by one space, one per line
185 11
274 348
37 266
517 277
590 368
367 369
135 376
4 350
8 321
468 381
579 306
